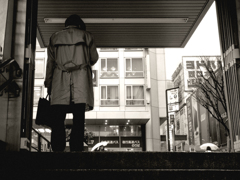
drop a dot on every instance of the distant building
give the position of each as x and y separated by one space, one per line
192 119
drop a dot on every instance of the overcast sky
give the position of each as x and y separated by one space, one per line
204 41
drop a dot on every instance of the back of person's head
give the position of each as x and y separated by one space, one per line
75 20
208 148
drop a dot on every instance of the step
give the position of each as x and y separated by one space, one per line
118 165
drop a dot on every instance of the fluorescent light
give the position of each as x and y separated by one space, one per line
41 130
48 130
121 20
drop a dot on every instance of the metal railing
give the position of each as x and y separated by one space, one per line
12 67
40 143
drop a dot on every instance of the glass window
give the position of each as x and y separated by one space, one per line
129 92
109 68
134 95
108 49
133 49
109 95
39 68
130 130
94 129
134 67
109 130
37 95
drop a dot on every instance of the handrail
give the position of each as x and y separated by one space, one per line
12 61
5 84
6 62
39 141
14 72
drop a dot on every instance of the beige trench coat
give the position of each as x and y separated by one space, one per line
76 47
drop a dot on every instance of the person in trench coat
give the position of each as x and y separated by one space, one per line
71 53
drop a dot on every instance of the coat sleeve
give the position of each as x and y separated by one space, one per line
93 52
50 66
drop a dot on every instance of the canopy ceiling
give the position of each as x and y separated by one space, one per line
137 33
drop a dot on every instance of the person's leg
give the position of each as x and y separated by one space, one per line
58 136
77 133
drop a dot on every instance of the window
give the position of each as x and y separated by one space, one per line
108 49
130 130
109 68
37 95
134 67
39 68
109 95
135 95
112 130
134 49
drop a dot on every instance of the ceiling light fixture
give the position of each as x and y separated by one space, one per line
41 130
48 130
121 20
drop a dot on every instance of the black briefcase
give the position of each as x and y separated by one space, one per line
43 117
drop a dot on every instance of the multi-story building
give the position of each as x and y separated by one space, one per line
129 98
181 123
192 119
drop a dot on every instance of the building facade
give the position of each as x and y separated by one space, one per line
129 87
192 119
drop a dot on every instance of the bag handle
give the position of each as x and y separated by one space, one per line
49 97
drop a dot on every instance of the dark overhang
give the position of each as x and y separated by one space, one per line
126 23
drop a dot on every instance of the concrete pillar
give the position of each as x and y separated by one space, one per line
157 97
228 21
4 96
15 104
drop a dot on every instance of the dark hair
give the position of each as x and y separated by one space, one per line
75 20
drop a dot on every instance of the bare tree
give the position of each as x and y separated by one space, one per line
210 90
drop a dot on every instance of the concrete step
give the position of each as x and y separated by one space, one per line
118 165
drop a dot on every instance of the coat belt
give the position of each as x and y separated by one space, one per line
70 69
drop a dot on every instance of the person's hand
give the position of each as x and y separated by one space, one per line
49 91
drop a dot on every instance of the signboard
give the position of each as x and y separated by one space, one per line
194 68
204 125
133 142
171 137
172 107
190 122
172 96
171 118
183 119
112 141
172 100
177 123
195 120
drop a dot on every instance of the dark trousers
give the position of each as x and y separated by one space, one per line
58 135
